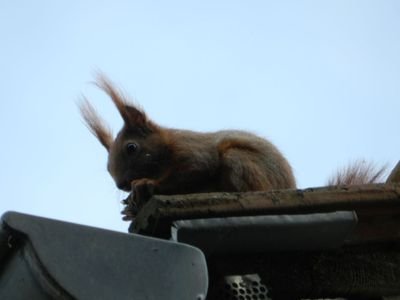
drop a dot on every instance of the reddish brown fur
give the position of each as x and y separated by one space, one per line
95 124
226 145
170 161
358 172
116 96
181 161
131 114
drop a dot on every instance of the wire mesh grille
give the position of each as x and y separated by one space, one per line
244 287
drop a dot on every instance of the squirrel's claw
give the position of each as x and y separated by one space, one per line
142 191
130 210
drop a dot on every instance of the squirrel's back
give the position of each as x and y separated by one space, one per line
239 160
256 160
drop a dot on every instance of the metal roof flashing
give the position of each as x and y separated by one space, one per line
62 260
252 234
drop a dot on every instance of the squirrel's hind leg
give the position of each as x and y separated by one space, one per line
241 171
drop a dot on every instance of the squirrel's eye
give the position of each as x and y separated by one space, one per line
131 148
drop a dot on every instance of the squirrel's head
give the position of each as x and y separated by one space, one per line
139 149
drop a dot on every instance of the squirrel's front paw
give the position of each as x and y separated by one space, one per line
142 191
130 210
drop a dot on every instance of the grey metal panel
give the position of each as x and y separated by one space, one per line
91 263
18 282
266 233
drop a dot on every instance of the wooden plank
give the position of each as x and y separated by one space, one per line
394 176
374 204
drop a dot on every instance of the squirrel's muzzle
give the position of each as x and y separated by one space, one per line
124 185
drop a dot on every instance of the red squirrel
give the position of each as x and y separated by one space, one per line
147 159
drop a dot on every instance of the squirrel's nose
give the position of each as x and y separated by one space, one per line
124 185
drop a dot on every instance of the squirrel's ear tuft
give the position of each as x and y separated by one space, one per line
135 118
95 124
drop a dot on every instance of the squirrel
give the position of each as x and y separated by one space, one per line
146 158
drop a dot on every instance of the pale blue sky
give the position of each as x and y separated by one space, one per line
318 78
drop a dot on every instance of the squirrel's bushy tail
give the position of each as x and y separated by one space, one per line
358 172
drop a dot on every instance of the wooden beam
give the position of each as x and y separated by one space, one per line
377 207
394 176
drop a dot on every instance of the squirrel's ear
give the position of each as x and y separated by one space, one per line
95 124
133 116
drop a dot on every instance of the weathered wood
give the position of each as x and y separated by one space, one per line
377 207
394 176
